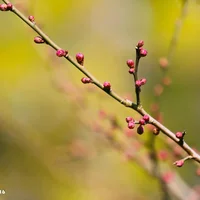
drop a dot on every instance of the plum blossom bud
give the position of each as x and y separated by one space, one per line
3 7
85 80
9 6
61 53
179 163
140 44
31 18
138 83
143 52
107 86
143 81
140 130
146 118
38 40
80 58
129 119
131 71
131 125
130 63
142 122
180 135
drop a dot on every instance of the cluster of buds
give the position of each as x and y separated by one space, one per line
85 80
140 82
131 123
131 65
141 52
6 7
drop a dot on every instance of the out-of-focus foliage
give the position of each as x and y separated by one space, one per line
47 150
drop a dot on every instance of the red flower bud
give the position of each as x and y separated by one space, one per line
129 119
106 85
131 125
138 83
86 80
180 135
146 118
80 58
9 6
130 63
3 7
131 70
31 18
142 122
143 52
140 44
61 52
143 81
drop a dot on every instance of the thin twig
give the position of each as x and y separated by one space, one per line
137 89
127 103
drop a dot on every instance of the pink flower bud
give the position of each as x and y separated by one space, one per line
131 70
31 18
140 44
143 81
142 122
80 58
131 125
130 63
179 135
86 80
61 52
146 118
138 83
129 119
38 40
3 7
106 86
143 52
9 6
179 163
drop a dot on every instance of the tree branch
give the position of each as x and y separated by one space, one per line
137 107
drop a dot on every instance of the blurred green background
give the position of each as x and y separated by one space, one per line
47 151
